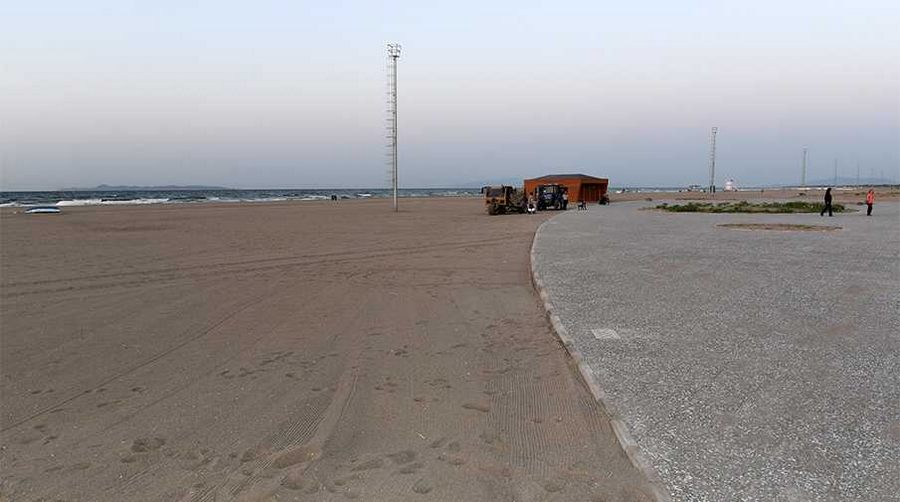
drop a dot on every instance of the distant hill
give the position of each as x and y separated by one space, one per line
133 188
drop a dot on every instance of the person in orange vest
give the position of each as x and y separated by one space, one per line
870 201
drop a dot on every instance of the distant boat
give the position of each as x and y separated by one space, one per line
43 210
364 195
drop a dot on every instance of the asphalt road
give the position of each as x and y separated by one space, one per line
747 364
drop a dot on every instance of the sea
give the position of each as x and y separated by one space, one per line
62 198
124 197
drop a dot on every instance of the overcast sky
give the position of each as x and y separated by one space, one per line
291 94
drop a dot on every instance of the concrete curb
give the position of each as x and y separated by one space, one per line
623 436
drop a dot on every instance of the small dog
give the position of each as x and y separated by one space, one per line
582 205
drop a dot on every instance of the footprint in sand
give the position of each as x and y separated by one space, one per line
411 468
143 445
482 407
454 460
130 459
348 479
249 455
403 457
422 486
553 486
294 480
488 437
375 463
29 438
294 457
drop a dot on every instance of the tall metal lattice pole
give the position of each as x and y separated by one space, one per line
393 54
712 159
803 170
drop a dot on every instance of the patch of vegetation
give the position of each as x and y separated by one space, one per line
750 207
786 227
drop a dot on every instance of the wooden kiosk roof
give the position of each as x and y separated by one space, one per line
561 177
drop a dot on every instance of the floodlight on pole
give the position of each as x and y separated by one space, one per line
712 159
393 54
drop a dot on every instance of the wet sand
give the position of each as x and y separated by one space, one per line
295 351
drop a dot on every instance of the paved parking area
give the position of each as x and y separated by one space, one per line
747 364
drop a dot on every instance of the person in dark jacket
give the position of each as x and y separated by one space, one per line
827 206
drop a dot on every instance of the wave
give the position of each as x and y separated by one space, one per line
110 202
139 197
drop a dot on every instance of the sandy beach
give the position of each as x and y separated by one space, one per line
296 351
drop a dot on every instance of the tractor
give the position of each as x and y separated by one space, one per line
503 199
549 196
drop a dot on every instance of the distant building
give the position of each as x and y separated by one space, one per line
580 186
730 186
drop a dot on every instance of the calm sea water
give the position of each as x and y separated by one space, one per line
111 197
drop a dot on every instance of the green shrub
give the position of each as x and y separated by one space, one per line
749 207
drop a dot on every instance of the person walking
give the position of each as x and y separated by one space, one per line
827 206
565 199
870 201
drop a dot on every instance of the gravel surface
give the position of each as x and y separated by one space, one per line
747 364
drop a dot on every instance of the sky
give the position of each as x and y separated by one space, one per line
291 94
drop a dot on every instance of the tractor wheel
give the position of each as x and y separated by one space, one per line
493 209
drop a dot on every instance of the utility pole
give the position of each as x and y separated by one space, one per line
712 160
835 171
857 173
803 170
393 54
